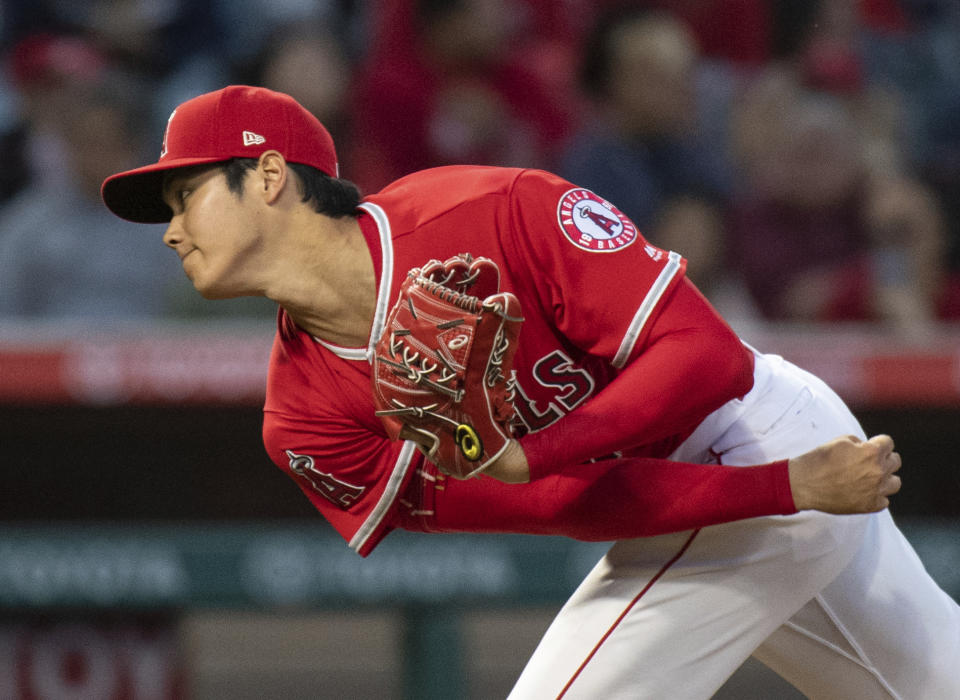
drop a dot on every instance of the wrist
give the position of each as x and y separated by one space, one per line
511 466
798 489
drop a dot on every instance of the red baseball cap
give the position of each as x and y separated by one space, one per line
237 121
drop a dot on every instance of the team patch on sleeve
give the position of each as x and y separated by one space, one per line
340 493
592 223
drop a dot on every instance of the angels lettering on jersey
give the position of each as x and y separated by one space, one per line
567 386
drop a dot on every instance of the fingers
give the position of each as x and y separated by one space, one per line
894 462
890 486
884 442
880 449
891 462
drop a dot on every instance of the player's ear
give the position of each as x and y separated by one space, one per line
273 174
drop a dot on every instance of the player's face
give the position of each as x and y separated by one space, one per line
213 232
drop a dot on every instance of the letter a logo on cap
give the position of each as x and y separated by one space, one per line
166 133
252 139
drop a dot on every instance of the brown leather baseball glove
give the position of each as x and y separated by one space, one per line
442 367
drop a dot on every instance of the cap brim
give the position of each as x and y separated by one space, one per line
137 195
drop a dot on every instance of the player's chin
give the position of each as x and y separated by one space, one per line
208 288
215 291
215 284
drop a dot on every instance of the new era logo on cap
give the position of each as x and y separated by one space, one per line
252 139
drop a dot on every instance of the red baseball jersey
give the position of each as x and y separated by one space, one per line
619 356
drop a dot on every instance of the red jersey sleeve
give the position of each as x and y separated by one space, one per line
606 500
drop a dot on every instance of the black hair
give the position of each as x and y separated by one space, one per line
331 196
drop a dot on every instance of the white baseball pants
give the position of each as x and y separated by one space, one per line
840 606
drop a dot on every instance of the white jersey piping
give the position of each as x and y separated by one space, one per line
373 521
386 274
343 352
645 310
383 293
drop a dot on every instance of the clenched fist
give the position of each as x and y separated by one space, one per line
846 475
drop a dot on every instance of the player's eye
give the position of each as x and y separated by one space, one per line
180 196
175 198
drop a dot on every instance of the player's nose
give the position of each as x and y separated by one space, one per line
173 236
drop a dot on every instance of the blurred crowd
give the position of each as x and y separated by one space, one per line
804 155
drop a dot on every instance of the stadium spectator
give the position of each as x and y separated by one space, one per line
310 49
177 45
43 68
60 256
921 60
818 232
740 32
446 82
645 147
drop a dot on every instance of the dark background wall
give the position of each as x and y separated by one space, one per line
208 462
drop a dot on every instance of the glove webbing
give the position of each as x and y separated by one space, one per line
467 302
